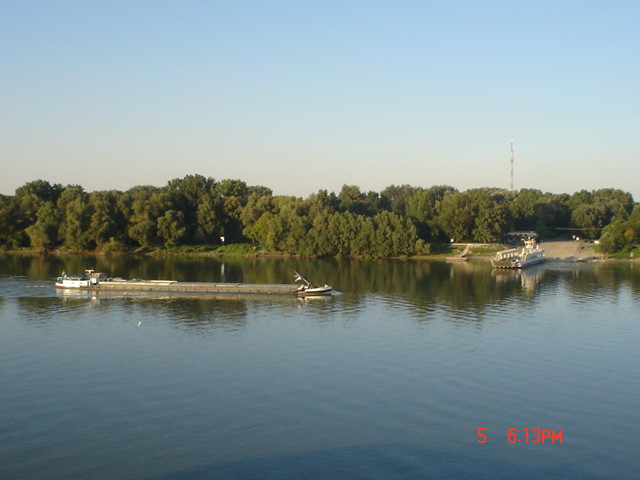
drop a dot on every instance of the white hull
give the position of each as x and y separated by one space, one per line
533 261
88 280
517 263
311 291
74 284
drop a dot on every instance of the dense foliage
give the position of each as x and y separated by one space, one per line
400 220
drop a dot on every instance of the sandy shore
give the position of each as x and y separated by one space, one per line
570 251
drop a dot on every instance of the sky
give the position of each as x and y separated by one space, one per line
302 96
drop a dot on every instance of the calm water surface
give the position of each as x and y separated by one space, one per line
390 378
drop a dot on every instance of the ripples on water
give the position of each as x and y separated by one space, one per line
376 382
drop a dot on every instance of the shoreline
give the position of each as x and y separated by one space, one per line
556 251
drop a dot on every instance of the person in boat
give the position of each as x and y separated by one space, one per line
303 286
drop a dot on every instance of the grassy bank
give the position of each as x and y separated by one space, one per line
436 251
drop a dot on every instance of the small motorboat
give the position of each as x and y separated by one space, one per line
312 290
307 289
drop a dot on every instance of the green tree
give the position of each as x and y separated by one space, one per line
364 242
76 213
107 224
171 227
523 210
489 210
234 194
322 202
342 232
257 204
593 210
354 201
490 223
590 219
620 236
395 197
44 232
265 231
619 204
197 198
12 233
423 207
318 238
456 218
383 236
405 236
583 197
29 198
552 215
209 219
77 218
142 206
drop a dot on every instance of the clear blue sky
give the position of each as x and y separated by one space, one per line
300 96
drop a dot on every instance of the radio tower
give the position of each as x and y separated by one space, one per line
511 169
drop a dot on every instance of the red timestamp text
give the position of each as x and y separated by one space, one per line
526 435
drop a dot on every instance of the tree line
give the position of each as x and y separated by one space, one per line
400 220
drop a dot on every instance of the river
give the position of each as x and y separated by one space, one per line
412 369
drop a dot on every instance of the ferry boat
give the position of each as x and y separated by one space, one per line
530 254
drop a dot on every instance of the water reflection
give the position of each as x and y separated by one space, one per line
40 311
468 289
528 278
185 311
395 373
192 313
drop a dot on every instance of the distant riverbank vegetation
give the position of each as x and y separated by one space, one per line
196 213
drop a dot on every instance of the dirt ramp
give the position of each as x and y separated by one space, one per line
570 251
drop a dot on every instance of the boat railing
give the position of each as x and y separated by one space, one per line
532 253
513 252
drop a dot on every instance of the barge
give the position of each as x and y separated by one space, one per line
99 282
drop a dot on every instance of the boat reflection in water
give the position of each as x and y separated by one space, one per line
529 278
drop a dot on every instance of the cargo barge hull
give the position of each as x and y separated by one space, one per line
189 287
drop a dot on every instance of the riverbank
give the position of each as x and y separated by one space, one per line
556 251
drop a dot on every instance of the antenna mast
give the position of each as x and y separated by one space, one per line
511 169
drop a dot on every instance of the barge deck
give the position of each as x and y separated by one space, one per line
192 287
93 281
